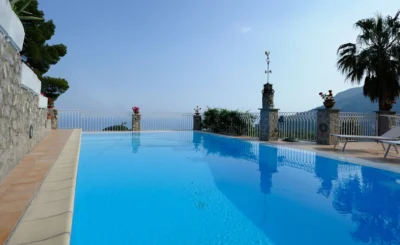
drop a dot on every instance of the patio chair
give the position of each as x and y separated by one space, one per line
392 134
390 143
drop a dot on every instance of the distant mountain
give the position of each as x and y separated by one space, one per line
353 100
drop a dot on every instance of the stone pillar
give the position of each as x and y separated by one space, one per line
269 124
268 115
197 122
268 96
385 123
54 118
136 122
327 123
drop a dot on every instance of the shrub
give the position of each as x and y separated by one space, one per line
120 127
228 121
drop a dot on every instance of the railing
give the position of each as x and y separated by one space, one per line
394 120
10 26
122 121
355 123
166 121
298 125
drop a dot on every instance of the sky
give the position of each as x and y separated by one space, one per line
172 55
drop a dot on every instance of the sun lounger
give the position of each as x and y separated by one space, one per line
392 134
390 143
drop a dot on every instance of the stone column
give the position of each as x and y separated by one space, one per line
54 118
197 122
327 123
269 124
268 115
385 123
136 122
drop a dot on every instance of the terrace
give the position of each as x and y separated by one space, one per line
39 182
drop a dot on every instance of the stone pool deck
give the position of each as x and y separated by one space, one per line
36 197
371 153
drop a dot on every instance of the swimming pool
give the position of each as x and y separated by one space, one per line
198 188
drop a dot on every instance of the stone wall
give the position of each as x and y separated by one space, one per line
18 111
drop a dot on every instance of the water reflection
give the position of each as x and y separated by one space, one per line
327 171
135 142
373 201
268 165
360 203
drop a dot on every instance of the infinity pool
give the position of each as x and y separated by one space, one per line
184 188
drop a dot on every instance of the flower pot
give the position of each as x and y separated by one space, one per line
329 104
387 107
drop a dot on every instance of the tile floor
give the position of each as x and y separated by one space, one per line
20 185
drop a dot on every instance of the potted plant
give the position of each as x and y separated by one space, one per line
135 110
329 100
388 102
50 103
197 110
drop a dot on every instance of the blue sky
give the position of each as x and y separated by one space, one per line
173 55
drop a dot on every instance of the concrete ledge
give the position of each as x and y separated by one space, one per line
48 218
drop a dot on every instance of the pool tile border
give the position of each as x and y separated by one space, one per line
48 218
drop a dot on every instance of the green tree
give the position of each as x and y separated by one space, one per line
374 58
19 8
228 121
40 55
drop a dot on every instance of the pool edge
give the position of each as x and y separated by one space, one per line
48 217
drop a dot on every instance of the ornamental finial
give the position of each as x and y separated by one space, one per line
268 71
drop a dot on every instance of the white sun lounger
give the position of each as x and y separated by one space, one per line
390 143
392 134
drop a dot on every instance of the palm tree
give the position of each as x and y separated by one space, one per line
19 7
375 58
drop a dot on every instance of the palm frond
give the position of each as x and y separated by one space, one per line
29 18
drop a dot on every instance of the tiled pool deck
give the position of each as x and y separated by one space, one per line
36 197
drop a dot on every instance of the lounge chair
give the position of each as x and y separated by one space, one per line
390 143
392 134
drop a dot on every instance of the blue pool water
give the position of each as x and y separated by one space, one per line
184 188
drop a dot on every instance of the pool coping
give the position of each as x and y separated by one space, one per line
48 217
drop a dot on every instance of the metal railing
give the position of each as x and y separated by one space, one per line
91 121
297 125
166 121
356 123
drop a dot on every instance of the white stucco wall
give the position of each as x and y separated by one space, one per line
11 26
30 80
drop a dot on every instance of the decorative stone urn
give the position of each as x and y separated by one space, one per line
329 104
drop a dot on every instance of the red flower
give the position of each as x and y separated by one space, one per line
330 91
135 109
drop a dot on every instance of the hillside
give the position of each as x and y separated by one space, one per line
353 100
